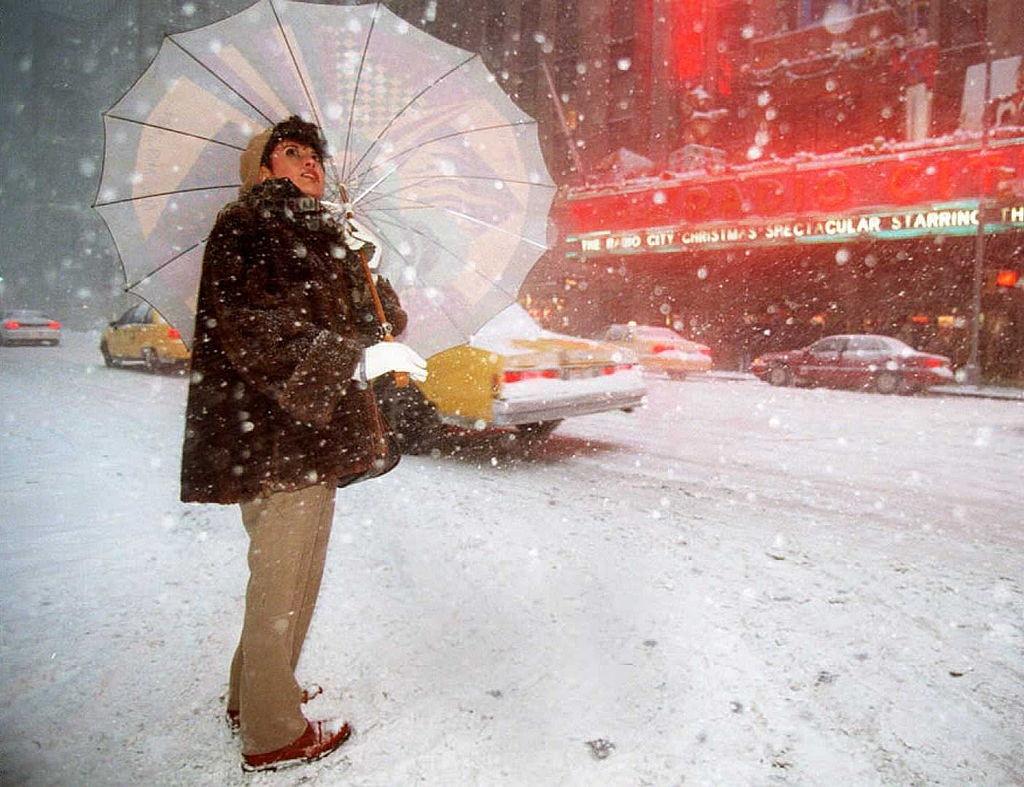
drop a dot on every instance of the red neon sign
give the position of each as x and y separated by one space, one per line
775 190
1007 278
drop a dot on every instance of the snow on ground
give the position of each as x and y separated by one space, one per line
735 585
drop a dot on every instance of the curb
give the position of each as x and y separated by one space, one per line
973 391
978 392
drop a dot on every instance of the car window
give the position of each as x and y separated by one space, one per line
830 344
616 333
895 345
665 334
24 314
134 315
864 344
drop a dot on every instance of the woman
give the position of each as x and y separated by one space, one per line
281 412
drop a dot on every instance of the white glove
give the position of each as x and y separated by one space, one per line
384 357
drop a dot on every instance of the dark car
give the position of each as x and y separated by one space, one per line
28 326
856 361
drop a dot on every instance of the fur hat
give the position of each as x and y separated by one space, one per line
257 153
249 163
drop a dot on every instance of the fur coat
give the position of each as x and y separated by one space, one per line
283 316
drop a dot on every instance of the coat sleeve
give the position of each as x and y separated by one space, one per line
263 329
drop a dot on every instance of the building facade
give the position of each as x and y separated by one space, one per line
759 173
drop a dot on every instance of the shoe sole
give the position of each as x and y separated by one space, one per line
286 764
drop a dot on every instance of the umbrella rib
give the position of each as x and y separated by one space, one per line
221 79
165 194
302 81
355 89
416 273
447 136
412 101
295 62
174 131
460 214
163 265
379 195
445 249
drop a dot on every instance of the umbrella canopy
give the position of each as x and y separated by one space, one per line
436 159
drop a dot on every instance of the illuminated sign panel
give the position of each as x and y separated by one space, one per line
958 219
931 191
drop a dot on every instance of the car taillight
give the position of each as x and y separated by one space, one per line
54 324
515 375
660 348
12 325
618 367
173 333
705 351
934 363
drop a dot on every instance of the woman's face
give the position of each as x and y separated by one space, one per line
298 163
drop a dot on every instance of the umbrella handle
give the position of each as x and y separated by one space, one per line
401 378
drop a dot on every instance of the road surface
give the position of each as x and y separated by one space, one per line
737 584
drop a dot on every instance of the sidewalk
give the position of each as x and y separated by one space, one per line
983 391
1008 393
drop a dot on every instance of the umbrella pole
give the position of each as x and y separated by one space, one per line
401 378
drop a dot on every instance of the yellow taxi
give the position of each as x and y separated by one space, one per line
512 374
142 336
661 350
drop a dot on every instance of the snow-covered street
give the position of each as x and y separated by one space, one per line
737 584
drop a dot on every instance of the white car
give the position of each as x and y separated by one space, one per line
28 326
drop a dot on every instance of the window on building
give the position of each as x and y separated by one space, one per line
529 55
494 32
567 38
807 13
622 78
962 23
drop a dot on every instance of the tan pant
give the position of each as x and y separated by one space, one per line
288 533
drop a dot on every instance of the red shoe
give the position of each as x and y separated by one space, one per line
319 740
310 692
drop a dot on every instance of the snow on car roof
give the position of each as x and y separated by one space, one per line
514 324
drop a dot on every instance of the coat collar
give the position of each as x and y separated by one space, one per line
281 198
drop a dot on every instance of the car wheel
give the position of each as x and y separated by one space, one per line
537 432
108 359
887 383
150 360
414 421
780 375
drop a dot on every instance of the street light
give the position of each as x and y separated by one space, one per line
972 369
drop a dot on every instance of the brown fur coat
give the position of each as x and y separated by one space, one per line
283 316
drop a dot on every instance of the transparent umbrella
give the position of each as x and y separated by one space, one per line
434 157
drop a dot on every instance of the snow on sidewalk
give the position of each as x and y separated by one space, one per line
736 585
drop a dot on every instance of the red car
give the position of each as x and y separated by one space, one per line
856 361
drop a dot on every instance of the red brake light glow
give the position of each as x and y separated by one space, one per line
515 375
173 333
54 324
934 363
1007 278
12 325
660 348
